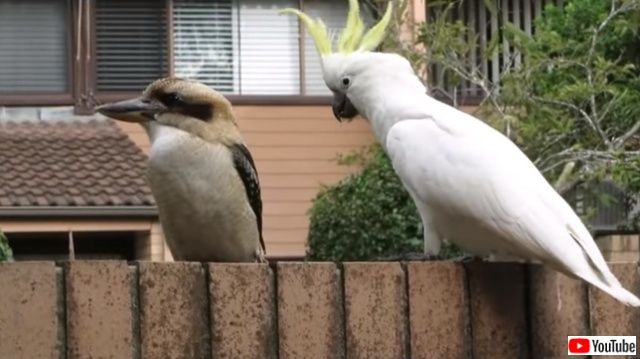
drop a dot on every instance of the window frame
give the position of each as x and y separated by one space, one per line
236 99
52 98
82 69
98 97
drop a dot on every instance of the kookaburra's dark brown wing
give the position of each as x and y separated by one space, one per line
246 168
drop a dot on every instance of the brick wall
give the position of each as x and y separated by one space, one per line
387 310
620 248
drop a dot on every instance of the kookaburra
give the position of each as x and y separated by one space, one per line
201 174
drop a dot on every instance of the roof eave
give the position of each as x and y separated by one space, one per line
79 212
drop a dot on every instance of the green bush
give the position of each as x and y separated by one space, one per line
5 251
366 216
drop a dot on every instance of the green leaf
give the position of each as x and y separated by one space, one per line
6 254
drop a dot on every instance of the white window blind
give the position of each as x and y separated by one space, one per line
203 40
334 15
238 46
235 46
33 46
130 43
268 48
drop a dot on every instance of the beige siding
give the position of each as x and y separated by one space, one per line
295 148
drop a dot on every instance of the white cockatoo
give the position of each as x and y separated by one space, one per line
471 184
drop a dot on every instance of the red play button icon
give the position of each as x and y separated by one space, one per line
579 345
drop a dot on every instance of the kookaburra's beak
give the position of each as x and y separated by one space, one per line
134 110
342 107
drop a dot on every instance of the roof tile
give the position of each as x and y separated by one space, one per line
70 163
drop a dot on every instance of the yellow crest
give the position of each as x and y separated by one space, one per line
351 38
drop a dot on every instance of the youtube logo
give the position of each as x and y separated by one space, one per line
579 345
601 345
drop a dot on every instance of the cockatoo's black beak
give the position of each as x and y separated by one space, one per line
342 107
134 110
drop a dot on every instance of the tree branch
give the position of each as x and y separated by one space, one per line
567 170
619 142
582 112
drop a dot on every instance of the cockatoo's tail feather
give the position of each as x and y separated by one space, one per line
351 39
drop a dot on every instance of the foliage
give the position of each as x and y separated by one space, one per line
568 95
368 215
5 251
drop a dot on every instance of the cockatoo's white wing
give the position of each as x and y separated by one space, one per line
478 190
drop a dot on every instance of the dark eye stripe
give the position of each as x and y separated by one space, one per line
175 103
202 112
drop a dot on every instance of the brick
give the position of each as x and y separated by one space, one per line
610 317
310 318
29 326
439 310
174 312
242 311
498 315
558 308
99 319
375 310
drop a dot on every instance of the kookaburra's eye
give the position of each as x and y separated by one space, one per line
346 81
171 99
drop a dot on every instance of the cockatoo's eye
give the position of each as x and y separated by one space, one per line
346 82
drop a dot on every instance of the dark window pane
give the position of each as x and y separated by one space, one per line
131 43
88 245
33 46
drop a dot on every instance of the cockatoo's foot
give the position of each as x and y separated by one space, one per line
412 257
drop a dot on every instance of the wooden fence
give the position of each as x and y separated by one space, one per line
111 309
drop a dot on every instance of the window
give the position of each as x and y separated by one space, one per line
203 42
239 47
268 48
34 49
91 51
87 245
130 44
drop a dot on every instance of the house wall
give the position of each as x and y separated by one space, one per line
295 149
